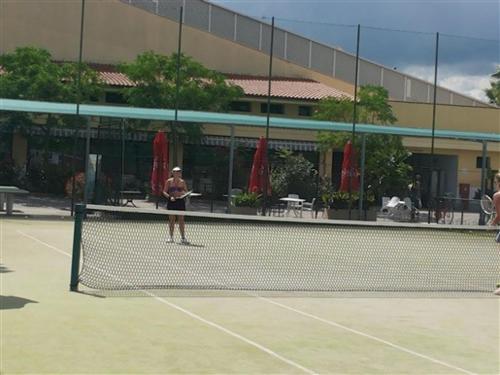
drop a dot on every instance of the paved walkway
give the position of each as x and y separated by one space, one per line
37 205
42 206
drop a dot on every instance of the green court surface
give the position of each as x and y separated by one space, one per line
47 329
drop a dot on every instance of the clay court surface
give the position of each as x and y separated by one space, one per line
47 329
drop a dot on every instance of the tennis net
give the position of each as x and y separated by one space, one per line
126 249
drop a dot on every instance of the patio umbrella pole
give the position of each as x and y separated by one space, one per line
231 162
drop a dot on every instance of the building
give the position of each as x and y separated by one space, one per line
118 30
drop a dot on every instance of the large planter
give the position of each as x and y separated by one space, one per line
244 210
343 214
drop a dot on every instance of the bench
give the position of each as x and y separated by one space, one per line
7 197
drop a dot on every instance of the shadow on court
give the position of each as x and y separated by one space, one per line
4 269
13 302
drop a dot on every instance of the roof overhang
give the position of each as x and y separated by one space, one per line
233 119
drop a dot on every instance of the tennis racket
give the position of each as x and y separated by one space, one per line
187 194
487 205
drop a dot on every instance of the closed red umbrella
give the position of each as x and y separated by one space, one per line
349 169
260 169
159 174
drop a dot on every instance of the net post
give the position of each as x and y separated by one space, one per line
77 239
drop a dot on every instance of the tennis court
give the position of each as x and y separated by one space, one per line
47 329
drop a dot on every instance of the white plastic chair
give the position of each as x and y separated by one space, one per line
295 206
385 200
309 206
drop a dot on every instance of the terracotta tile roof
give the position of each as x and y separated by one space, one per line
289 88
282 87
111 76
116 79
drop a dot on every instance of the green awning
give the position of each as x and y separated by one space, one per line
234 119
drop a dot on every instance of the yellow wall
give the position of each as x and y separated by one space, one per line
468 173
116 32
473 119
19 150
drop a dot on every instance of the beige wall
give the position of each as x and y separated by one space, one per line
19 149
116 32
473 119
468 173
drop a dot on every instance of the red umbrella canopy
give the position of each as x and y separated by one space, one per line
159 174
260 169
349 169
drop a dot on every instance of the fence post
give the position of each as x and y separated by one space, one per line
77 240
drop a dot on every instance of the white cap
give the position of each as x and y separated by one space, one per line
176 169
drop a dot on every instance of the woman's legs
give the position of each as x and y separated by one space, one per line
181 226
171 225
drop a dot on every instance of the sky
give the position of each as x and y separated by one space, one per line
399 34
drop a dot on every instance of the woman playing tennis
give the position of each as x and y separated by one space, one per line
175 188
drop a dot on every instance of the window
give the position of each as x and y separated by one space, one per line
241 107
305 110
94 98
114 97
479 162
277 109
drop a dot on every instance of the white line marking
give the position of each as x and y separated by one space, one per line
395 346
335 324
44 243
303 313
195 316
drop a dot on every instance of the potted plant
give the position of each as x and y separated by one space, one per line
246 203
337 203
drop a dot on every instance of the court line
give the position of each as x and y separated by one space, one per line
195 316
341 326
338 325
371 337
306 314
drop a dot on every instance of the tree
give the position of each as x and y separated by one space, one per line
387 170
30 74
493 93
200 89
293 174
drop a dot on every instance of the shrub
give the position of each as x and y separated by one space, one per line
9 173
247 200
293 174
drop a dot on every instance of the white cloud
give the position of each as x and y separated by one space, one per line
451 78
